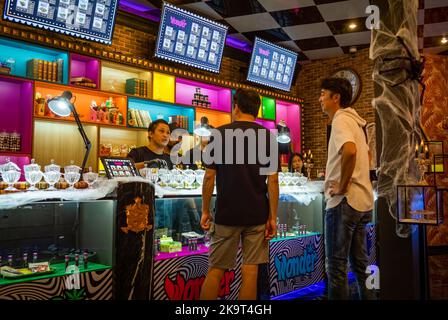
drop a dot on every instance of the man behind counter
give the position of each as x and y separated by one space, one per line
152 154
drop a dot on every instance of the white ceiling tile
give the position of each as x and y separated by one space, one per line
324 53
307 31
203 9
253 22
354 38
435 29
277 5
344 10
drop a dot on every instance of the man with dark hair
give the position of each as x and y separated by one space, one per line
152 154
246 207
348 191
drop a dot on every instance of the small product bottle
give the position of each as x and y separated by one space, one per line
34 256
10 260
25 260
67 261
86 258
77 260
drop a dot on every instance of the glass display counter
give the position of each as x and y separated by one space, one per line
75 240
181 247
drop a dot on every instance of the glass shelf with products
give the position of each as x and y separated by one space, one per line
84 71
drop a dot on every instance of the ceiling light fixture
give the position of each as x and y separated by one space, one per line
352 26
444 40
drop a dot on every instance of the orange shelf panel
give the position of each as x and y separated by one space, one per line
215 118
84 97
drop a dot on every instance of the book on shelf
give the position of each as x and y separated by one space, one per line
59 72
43 70
83 81
137 87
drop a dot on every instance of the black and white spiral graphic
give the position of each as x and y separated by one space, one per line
294 248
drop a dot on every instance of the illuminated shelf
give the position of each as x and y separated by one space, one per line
83 98
215 118
16 109
84 67
219 97
163 87
21 52
114 76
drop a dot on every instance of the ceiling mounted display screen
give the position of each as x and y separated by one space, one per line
86 19
190 39
271 65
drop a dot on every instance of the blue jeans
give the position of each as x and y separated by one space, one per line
345 238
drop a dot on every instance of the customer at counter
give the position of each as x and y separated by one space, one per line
246 206
153 154
296 164
193 158
348 191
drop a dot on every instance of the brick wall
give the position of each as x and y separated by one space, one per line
139 42
314 121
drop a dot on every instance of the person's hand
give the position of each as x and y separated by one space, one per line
206 218
334 189
270 231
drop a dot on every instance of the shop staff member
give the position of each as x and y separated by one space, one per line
152 154
348 191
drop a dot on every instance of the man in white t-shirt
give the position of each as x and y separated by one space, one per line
348 191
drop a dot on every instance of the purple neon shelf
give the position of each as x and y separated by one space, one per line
16 109
290 112
219 97
185 252
83 66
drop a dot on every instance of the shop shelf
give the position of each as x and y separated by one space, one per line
82 99
290 112
219 97
268 108
114 76
62 142
84 67
161 110
117 142
163 87
215 118
16 96
16 54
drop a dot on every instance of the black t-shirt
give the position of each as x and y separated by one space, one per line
242 198
154 160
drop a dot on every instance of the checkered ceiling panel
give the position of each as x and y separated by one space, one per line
314 28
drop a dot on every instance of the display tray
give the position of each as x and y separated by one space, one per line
8 275
58 270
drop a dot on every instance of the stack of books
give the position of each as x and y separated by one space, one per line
45 70
182 121
137 87
139 118
83 82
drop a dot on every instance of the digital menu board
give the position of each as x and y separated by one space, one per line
87 19
271 65
187 38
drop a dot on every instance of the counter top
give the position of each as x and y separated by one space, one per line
103 188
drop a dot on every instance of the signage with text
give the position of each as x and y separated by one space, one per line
190 39
271 65
86 19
